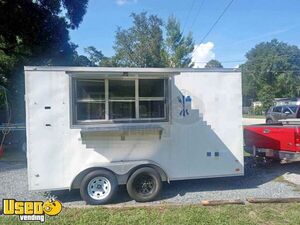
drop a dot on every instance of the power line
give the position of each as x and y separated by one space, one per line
188 17
214 24
197 14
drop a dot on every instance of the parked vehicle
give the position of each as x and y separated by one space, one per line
280 141
93 128
276 113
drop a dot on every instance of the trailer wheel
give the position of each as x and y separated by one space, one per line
98 187
144 184
269 121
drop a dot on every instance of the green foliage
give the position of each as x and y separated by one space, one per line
35 32
95 56
143 44
178 47
109 62
2 99
213 64
258 110
38 31
81 60
272 70
266 95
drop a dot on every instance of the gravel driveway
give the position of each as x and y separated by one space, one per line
266 181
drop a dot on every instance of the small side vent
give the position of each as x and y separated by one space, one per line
47 107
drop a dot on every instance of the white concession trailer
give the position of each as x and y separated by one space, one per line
95 128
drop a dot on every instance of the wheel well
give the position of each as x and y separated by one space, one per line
161 172
77 180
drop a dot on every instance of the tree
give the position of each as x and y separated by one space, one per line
35 32
272 66
109 62
82 60
266 95
95 56
178 47
213 64
142 44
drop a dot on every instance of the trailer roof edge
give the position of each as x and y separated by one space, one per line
127 69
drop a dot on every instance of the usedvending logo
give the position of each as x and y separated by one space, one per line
31 210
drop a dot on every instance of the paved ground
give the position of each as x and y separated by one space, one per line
266 181
293 178
249 121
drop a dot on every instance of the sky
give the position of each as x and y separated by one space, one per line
245 24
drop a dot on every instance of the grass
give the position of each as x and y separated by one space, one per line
254 116
247 154
271 214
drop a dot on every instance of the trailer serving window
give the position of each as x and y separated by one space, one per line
119 100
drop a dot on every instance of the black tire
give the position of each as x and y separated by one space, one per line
97 176
269 121
144 184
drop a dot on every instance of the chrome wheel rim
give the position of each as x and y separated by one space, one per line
99 188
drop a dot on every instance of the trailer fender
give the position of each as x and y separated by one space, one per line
162 173
121 169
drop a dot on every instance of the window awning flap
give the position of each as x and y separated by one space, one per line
123 129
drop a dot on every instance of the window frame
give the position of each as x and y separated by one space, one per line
154 99
107 110
73 101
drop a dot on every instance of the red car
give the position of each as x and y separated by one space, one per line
275 141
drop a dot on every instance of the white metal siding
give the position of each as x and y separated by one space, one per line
56 154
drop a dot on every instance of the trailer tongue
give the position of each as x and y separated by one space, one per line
274 141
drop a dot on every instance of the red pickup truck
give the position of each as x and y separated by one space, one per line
275 141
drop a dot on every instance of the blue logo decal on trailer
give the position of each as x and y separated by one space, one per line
183 100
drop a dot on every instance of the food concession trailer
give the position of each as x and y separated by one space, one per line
95 128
